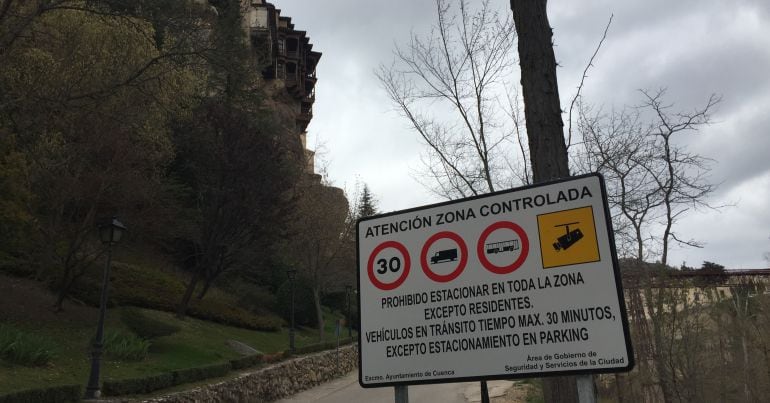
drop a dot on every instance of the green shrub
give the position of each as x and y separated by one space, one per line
252 297
230 314
247 361
125 346
337 300
304 308
155 289
14 266
188 375
23 348
147 384
131 285
132 386
53 394
145 326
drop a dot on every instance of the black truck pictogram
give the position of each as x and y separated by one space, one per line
569 238
449 255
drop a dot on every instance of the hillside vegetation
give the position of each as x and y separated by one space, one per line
64 339
157 113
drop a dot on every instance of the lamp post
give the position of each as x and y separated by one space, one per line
292 274
348 290
110 234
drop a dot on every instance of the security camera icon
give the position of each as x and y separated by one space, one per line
569 238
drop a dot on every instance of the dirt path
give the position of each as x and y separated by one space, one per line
500 392
517 393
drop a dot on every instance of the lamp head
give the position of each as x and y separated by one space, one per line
111 232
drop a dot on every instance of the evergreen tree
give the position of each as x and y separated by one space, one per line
367 204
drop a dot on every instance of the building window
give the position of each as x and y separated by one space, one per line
292 44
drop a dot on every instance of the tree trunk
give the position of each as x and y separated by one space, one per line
545 128
68 280
766 354
639 243
746 374
184 304
206 285
63 290
318 312
542 108
656 305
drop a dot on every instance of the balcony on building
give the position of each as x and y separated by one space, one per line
292 47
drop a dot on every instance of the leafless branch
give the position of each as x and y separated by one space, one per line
447 85
583 78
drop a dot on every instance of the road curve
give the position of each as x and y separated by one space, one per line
347 390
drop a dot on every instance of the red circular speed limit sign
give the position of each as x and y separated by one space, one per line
441 256
388 265
515 242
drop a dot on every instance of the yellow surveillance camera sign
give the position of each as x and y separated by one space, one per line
568 237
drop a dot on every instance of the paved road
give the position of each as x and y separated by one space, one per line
347 390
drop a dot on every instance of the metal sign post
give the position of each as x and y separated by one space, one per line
402 394
586 390
484 392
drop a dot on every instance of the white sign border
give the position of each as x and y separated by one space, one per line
615 268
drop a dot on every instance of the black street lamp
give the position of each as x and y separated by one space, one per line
348 291
110 234
292 274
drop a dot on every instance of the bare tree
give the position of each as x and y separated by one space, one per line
742 313
618 146
237 170
653 180
760 329
449 86
321 244
703 334
681 175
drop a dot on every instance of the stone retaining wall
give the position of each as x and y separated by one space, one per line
270 383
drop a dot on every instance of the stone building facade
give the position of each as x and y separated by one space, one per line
287 59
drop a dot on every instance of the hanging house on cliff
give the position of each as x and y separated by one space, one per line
287 59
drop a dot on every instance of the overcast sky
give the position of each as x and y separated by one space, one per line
692 47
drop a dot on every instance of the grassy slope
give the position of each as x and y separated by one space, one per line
198 343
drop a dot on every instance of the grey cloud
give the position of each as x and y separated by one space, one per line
693 47
740 147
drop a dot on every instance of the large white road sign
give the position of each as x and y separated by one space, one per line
519 283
